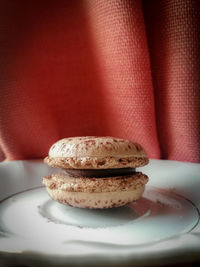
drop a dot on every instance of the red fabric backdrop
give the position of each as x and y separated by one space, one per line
124 68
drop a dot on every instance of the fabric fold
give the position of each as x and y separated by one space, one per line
127 69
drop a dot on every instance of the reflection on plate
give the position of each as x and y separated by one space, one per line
31 219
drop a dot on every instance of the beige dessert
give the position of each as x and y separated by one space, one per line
97 172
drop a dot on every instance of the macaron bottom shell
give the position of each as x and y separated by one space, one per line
101 200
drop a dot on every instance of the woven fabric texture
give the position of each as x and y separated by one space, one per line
120 68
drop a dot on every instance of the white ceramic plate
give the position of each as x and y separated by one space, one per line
160 228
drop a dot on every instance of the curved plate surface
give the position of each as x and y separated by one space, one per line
162 223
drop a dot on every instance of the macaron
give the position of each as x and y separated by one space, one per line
96 172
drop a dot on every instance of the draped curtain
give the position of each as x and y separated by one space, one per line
120 68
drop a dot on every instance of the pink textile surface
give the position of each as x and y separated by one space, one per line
128 69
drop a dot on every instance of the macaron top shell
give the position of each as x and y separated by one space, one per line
90 146
91 152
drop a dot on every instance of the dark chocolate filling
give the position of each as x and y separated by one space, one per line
98 173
